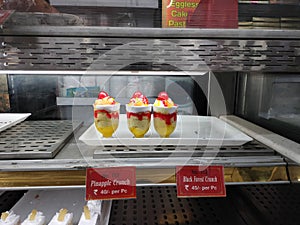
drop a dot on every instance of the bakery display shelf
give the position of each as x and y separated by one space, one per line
250 163
243 205
36 139
51 201
160 205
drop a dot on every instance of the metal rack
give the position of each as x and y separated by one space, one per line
244 205
36 139
80 48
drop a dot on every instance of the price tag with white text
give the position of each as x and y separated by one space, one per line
110 183
200 181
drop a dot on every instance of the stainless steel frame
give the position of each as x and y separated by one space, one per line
97 49
39 50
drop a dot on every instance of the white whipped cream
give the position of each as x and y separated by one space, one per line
95 206
92 221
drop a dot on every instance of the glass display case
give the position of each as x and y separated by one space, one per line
234 75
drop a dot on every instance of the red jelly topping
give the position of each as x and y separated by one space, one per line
139 115
166 117
102 95
109 115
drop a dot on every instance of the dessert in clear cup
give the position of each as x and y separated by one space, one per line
106 114
138 113
165 115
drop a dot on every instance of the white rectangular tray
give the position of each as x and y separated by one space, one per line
190 131
8 120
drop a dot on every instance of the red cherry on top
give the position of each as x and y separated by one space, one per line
137 94
102 95
163 96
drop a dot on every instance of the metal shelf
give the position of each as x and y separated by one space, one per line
160 205
36 139
79 48
251 163
244 205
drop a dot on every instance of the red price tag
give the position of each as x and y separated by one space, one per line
110 183
200 181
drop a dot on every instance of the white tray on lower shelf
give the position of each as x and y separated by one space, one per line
190 131
51 201
8 120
